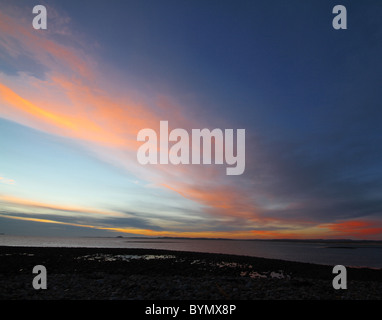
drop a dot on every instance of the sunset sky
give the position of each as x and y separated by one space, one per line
74 97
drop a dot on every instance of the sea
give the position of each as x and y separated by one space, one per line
349 253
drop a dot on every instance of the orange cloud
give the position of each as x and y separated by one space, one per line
49 221
78 108
79 126
10 200
74 101
74 105
222 200
355 228
268 234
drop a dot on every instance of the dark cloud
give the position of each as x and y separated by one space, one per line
90 220
325 178
33 228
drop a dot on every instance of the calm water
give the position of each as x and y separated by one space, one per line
359 254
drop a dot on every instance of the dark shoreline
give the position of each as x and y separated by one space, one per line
85 273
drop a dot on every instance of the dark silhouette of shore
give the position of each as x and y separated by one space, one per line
148 274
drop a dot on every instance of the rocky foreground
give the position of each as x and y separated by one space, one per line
143 274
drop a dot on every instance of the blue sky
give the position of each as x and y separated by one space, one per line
74 96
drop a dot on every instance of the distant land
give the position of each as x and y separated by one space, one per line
229 239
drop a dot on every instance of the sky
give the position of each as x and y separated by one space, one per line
73 98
